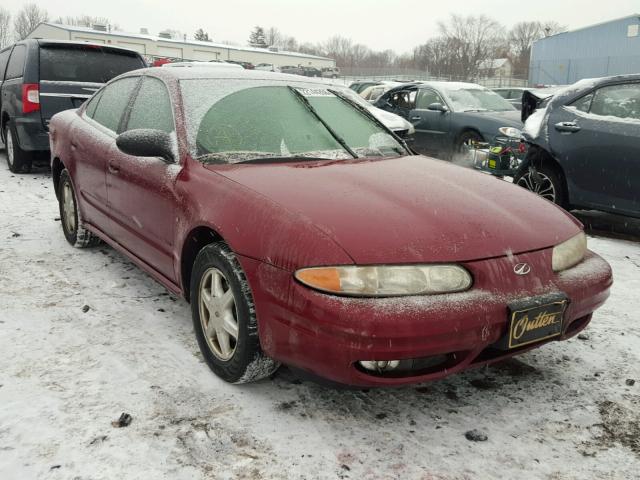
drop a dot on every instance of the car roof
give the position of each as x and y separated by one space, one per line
198 72
48 42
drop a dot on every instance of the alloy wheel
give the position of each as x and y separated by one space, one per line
218 314
9 147
539 183
68 208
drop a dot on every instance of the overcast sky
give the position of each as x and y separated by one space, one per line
378 24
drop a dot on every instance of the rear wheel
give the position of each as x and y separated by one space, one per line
70 218
543 180
17 159
224 317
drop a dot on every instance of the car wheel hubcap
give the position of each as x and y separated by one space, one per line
9 148
68 208
218 314
538 183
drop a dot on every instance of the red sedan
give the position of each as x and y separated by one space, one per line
304 232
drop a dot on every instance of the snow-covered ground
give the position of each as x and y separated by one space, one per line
564 411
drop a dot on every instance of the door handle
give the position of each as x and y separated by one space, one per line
417 117
113 168
568 127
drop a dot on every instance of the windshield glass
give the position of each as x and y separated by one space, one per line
477 100
278 122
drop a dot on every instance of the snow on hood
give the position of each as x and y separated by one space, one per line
409 209
390 120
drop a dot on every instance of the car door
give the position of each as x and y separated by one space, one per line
141 190
432 126
598 141
92 143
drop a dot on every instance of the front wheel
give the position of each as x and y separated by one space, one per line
224 317
544 181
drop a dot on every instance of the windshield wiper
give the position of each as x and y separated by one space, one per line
281 159
313 111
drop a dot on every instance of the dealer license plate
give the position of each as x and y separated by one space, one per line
533 320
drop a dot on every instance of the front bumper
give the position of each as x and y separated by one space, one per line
327 335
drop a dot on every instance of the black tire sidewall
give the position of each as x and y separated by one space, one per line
19 156
247 346
72 237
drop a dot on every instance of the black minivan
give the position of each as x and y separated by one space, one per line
39 78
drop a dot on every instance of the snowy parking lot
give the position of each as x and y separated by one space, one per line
86 336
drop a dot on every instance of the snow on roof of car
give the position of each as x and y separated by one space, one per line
227 73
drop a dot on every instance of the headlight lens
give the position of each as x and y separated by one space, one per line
386 281
510 132
569 253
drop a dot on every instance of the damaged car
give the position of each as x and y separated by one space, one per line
304 232
448 116
584 145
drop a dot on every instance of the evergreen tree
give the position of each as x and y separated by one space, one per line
202 35
256 39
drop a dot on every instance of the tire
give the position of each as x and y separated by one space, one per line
230 345
74 231
545 181
17 159
463 140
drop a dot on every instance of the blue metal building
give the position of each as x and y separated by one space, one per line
609 48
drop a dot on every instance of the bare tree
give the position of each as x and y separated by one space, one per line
552 27
27 19
471 40
86 21
5 27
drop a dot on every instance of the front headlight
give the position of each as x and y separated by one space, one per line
386 281
510 132
569 253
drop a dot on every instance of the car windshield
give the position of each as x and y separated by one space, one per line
477 100
250 123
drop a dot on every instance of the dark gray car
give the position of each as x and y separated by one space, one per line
39 78
585 145
449 115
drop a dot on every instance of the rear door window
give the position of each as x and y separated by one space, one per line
85 63
622 101
15 68
113 102
152 107
4 59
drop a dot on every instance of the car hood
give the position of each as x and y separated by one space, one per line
410 209
510 118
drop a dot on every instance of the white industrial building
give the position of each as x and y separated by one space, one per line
163 46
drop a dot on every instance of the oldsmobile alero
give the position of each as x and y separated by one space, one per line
304 232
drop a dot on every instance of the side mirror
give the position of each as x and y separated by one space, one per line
146 142
438 107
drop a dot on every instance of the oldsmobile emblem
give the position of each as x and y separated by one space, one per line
522 269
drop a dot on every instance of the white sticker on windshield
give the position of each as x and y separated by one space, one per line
315 92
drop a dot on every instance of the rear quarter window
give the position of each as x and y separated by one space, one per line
15 68
4 59
85 64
